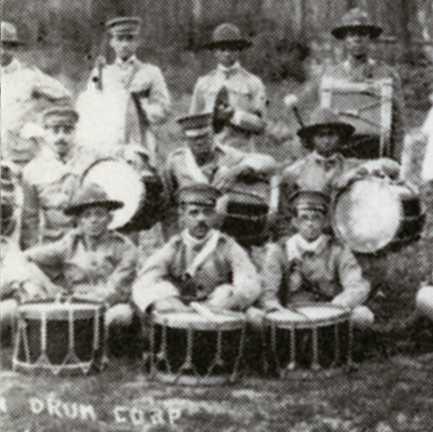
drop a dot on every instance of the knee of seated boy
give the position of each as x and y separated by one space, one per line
362 317
119 315
424 301
255 318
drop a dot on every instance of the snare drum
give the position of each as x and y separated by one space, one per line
373 214
188 349
60 337
308 339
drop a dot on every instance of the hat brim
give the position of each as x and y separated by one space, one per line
341 31
75 210
345 130
239 44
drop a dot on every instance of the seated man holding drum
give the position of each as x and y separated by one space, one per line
311 266
96 264
201 264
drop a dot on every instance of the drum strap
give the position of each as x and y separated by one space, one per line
193 168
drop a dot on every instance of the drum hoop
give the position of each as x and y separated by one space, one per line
281 323
336 229
189 380
59 314
164 320
76 367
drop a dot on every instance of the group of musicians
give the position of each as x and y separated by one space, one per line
55 236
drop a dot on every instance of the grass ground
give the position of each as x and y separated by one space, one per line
381 396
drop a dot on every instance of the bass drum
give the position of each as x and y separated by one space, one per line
140 193
376 214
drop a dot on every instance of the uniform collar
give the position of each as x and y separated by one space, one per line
194 243
227 72
12 67
350 67
336 158
131 61
314 248
80 235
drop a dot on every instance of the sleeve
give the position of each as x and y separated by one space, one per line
197 101
51 254
153 282
272 277
259 162
49 87
355 288
30 217
259 101
120 281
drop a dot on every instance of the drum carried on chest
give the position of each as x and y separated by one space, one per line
368 107
140 194
308 339
376 214
60 337
189 349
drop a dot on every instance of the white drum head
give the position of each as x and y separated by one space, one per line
367 216
57 310
122 183
195 321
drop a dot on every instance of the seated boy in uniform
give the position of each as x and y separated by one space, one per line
312 266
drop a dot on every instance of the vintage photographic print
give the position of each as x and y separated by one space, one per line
216 216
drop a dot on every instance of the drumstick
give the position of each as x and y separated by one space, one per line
205 312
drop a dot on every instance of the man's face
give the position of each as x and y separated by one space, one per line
326 141
94 221
227 55
201 146
7 53
124 45
357 43
60 138
310 224
198 219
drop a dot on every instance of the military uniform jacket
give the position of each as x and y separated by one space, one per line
227 264
329 273
48 185
104 272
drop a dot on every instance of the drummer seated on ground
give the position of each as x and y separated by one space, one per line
311 266
96 264
200 264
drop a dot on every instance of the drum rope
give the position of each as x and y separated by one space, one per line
337 346
315 365
240 353
218 360
292 364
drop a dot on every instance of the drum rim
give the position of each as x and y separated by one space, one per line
337 231
343 317
235 323
25 311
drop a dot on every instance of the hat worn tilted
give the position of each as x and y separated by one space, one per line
356 20
9 34
90 195
124 25
201 194
228 34
196 125
322 118
310 200
60 116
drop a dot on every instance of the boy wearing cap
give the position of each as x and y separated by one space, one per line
356 31
49 179
95 263
133 95
205 160
311 266
22 87
200 264
235 96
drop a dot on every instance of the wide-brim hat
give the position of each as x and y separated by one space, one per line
90 195
323 118
9 34
356 19
228 34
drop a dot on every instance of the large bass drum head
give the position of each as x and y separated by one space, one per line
367 215
122 183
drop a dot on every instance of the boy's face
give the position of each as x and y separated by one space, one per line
198 219
310 224
94 221
227 55
60 138
357 43
124 45
326 141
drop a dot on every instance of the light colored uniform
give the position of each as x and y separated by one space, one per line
226 277
48 185
329 272
108 117
22 89
104 273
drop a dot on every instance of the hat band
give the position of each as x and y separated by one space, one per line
192 133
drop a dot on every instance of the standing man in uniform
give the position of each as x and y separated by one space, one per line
200 264
123 100
205 160
357 32
235 96
50 179
23 88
